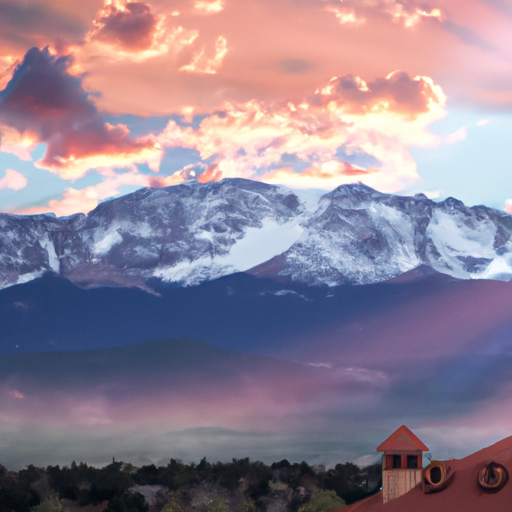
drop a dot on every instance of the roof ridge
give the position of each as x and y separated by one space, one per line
393 442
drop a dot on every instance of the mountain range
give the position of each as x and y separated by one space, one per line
192 233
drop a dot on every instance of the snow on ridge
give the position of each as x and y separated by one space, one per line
259 244
309 198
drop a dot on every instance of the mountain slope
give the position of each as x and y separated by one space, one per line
361 236
352 325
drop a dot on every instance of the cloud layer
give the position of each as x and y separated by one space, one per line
312 143
346 130
252 91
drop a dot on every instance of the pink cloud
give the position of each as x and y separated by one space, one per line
131 25
86 199
475 430
201 63
209 7
433 321
13 180
185 40
267 395
16 143
345 16
456 136
406 12
212 173
508 206
42 22
131 32
397 92
45 102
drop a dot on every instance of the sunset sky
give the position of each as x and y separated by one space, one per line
100 98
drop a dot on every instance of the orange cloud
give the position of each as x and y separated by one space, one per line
13 180
327 175
250 140
8 64
212 173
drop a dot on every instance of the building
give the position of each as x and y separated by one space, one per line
402 463
477 483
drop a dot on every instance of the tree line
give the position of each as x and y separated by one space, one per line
241 485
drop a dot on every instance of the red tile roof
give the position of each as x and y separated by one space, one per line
462 495
402 440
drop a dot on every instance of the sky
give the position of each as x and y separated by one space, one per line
98 99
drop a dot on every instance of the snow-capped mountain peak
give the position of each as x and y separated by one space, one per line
194 232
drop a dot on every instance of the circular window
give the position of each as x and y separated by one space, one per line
492 477
436 477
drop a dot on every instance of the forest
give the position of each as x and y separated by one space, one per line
241 485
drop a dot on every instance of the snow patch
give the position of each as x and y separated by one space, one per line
262 244
499 269
400 232
455 239
25 278
282 293
459 238
53 259
105 241
259 244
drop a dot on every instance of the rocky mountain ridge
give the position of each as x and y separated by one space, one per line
192 233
